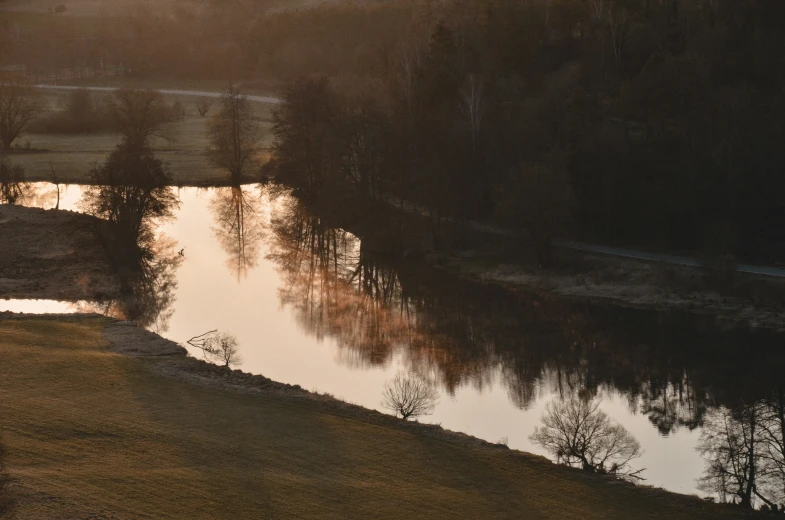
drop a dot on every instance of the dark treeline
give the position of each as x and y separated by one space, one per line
663 117
635 122
220 41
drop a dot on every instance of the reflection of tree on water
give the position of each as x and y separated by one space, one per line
672 367
131 194
744 448
146 289
670 405
238 227
13 188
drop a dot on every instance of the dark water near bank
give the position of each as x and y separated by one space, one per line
310 306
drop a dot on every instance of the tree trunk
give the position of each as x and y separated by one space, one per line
746 499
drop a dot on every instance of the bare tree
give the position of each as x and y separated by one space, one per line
225 349
139 115
773 434
235 134
577 433
410 396
56 181
19 106
730 458
742 452
203 106
218 346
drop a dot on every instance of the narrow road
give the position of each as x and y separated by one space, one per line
176 92
484 228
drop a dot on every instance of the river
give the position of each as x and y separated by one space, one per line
310 307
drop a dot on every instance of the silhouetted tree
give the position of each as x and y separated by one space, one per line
305 150
773 433
218 346
742 448
224 348
363 143
234 134
409 396
131 193
577 433
139 115
130 189
19 106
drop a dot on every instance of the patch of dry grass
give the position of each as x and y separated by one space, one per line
52 255
93 434
74 155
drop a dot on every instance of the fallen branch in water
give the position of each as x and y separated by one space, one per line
219 346
203 342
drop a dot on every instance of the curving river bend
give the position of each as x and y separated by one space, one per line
309 306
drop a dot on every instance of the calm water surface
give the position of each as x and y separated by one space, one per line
310 306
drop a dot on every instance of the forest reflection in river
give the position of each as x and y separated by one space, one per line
671 366
313 305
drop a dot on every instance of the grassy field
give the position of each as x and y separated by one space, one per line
73 155
93 434
95 8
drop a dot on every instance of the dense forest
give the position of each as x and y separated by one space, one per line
656 123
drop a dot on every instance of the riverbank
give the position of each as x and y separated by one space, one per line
497 257
53 255
752 300
97 414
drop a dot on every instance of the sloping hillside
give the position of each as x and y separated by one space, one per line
92 433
